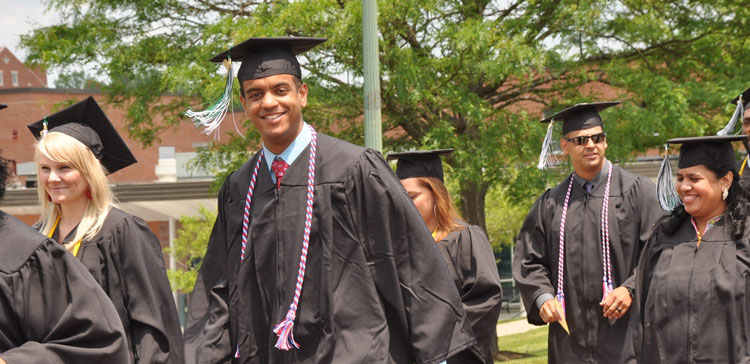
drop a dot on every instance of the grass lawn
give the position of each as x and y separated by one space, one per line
532 343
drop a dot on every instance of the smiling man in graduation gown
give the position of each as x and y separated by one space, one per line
52 310
581 241
317 254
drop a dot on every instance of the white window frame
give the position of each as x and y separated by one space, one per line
14 78
2 79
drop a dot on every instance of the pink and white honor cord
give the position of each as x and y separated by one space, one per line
606 263
284 329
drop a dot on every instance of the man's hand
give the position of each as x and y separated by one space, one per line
549 312
617 303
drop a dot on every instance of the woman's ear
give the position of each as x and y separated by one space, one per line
727 179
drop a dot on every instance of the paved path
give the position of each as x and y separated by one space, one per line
514 327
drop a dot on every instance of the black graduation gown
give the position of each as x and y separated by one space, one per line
633 211
125 258
51 310
375 289
692 303
471 262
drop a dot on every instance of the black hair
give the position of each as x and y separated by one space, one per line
738 201
297 84
4 175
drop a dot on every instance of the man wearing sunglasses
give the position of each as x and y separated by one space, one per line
580 243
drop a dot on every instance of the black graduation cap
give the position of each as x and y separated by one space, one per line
577 117
580 116
86 122
263 57
3 106
706 150
739 112
420 163
745 95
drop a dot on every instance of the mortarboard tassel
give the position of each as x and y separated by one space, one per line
45 130
546 148
211 118
739 111
665 189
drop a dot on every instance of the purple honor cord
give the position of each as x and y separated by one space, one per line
284 329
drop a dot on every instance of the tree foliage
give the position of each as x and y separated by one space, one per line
504 218
475 75
77 80
189 248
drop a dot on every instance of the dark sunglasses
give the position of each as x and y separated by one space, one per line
583 140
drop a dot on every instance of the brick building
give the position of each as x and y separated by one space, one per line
14 74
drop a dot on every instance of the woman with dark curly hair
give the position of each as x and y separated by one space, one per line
52 310
693 287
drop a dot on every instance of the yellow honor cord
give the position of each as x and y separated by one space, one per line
744 163
77 245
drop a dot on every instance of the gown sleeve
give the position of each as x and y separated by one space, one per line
481 292
480 288
207 326
421 302
531 262
57 313
632 349
154 324
646 207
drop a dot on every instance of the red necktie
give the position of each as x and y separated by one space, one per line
279 167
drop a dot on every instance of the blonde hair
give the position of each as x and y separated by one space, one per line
445 213
62 148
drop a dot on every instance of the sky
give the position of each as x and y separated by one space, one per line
20 17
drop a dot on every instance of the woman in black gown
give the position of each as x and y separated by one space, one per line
52 310
118 249
464 248
693 286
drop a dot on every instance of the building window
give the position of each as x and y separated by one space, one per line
14 77
2 81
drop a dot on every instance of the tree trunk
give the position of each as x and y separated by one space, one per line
472 203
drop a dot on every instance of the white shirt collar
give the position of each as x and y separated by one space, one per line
290 154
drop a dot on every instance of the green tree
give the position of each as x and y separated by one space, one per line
189 248
77 80
504 218
454 73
